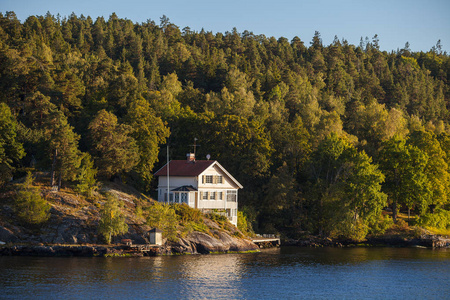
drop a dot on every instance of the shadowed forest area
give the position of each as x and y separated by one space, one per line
332 140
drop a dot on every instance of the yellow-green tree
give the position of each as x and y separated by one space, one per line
30 207
344 194
112 219
149 131
436 169
164 217
406 181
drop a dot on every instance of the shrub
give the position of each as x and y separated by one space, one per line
439 219
381 225
30 207
244 225
188 214
218 218
163 216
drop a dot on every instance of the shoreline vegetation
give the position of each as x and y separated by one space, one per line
334 144
73 227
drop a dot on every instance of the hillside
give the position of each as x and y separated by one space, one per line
74 220
323 138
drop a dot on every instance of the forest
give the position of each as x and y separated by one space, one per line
324 138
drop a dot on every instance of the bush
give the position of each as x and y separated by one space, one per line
163 216
244 225
218 218
439 219
381 225
30 207
188 214
401 224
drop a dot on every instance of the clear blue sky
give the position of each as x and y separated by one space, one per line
419 22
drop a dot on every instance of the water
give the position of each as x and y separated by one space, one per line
286 273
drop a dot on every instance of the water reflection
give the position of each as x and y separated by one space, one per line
277 273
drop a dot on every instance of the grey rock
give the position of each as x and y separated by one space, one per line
7 235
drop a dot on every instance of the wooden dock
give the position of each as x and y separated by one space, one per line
267 240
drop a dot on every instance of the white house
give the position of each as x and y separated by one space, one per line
202 184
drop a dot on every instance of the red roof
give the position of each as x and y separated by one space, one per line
185 168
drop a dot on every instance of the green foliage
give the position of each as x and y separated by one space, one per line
380 225
404 166
244 225
10 149
190 219
63 144
149 132
439 219
345 189
112 220
114 149
163 216
114 88
87 183
280 201
219 218
186 213
29 205
241 145
436 169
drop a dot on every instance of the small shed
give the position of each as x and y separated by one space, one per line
155 236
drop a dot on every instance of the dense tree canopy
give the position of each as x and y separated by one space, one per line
302 125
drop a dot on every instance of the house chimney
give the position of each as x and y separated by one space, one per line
190 157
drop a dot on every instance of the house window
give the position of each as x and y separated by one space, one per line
231 196
219 179
184 198
220 195
208 178
205 196
212 196
177 197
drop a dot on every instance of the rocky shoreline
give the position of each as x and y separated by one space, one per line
194 243
426 241
200 243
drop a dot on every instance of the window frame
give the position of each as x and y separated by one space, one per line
209 179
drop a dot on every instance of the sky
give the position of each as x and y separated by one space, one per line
420 22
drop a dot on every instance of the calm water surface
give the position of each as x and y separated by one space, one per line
287 273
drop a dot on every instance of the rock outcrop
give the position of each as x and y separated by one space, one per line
202 243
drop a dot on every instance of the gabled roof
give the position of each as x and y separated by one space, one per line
191 169
185 168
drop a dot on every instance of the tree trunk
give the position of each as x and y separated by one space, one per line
394 211
52 175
